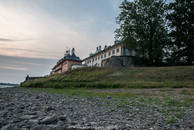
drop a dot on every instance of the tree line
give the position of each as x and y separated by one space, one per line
160 32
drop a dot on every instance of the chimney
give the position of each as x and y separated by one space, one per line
99 48
72 51
105 47
67 52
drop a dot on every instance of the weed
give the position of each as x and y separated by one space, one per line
180 114
186 92
171 119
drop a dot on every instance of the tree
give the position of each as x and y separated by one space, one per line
143 28
181 23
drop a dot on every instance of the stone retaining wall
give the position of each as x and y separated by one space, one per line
119 61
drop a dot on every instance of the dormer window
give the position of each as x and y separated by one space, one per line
118 50
113 52
109 53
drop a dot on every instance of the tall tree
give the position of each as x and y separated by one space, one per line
181 22
143 28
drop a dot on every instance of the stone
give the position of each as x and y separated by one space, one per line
40 127
62 118
8 127
60 123
49 108
56 127
49 120
109 97
87 113
28 117
34 121
32 113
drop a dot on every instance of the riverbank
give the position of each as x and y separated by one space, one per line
96 109
137 77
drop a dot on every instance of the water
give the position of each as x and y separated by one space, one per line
6 86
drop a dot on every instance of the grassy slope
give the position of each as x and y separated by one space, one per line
140 77
172 103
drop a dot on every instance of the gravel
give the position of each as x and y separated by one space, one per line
22 109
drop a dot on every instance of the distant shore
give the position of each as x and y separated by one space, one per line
6 86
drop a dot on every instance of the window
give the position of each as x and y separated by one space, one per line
101 56
113 51
98 57
105 55
109 53
118 50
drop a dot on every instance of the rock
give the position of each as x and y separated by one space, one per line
32 113
109 97
40 127
34 121
49 120
62 118
68 120
60 123
92 124
73 123
37 97
34 108
49 108
28 117
9 127
64 112
56 127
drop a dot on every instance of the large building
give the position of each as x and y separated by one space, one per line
114 53
66 63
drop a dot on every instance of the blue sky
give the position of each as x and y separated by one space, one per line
35 33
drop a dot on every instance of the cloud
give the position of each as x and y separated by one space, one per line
30 53
29 63
41 30
12 40
53 27
5 39
13 68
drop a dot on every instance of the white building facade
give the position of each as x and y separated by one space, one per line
118 49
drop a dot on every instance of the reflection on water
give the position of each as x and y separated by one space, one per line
6 86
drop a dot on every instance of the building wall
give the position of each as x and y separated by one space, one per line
57 69
118 50
67 65
97 59
119 61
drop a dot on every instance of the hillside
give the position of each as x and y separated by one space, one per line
140 77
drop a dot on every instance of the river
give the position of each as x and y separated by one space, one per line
6 86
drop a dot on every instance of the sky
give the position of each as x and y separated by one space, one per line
34 34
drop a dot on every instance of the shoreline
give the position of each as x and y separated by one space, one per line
7 86
30 109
